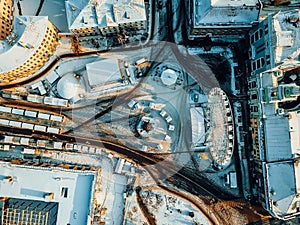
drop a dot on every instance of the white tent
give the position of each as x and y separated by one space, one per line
169 77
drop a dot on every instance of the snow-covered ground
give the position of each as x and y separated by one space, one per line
167 209
133 213
111 195
74 64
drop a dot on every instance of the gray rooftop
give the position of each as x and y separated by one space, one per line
103 71
225 13
277 139
281 185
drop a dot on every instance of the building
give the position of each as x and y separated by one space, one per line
273 40
27 48
105 17
19 211
71 87
197 126
103 74
222 18
6 18
275 123
101 77
273 88
58 194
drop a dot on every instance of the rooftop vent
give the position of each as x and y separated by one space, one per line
126 15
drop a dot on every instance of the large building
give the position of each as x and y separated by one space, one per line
105 17
101 77
275 124
274 92
27 48
58 194
273 40
222 18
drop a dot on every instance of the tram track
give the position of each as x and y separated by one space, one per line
139 157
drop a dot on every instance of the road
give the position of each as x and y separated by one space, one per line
198 185
47 69
189 180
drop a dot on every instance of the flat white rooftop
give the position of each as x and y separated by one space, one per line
31 31
103 72
294 121
297 174
72 189
287 34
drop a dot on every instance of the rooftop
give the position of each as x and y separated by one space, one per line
169 77
80 13
129 11
234 3
71 189
277 139
225 13
103 72
281 130
221 135
294 127
70 87
19 211
281 187
93 13
280 142
198 126
30 33
286 25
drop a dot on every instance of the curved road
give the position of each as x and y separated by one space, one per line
193 183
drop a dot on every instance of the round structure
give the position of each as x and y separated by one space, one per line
31 44
169 77
221 136
146 126
71 87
